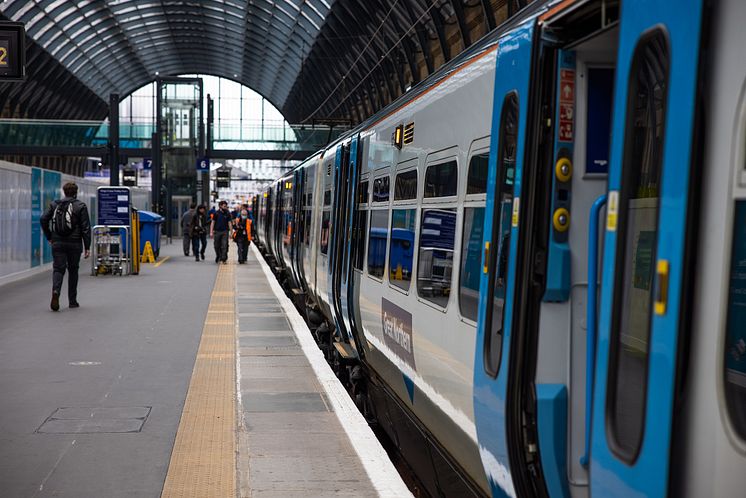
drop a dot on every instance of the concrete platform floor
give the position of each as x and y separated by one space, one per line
91 399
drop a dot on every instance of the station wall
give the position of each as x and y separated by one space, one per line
25 192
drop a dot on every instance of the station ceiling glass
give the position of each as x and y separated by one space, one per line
312 59
118 46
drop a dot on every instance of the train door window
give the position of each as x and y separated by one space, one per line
377 238
325 229
381 189
435 258
406 185
735 333
441 180
476 182
472 236
328 197
363 192
360 225
637 244
401 248
501 226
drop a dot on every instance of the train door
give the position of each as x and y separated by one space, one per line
642 318
346 289
300 225
267 219
339 238
501 252
568 154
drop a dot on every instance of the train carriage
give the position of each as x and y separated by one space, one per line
534 256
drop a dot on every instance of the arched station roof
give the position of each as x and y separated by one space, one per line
312 59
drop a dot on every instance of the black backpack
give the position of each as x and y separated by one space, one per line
62 223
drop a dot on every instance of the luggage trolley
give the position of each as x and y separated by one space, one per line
111 250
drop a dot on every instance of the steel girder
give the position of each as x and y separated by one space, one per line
374 41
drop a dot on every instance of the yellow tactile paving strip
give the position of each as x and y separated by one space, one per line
203 461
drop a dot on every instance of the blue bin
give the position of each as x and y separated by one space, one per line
150 230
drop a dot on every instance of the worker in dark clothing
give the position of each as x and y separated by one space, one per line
186 219
67 227
198 231
220 231
242 235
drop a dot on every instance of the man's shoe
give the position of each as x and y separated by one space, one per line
203 256
74 304
55 304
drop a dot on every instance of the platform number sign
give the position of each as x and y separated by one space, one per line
12 51
203 164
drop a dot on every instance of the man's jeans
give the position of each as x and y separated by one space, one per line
66 256
221 246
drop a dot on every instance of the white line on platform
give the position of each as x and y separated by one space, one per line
381 472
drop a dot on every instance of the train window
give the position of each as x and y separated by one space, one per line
435 259
381 189
471 262
406 186
325 229
401 248
307 228
637 245
328 198
476 182
358 241
735 334
441 180
377 237
499 255
363 193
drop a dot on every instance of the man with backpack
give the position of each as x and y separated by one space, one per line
67 227
220 231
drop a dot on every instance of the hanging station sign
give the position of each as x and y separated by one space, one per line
12 51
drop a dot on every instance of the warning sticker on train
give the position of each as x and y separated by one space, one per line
567 105
397 331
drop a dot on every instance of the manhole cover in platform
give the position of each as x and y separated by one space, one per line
93 420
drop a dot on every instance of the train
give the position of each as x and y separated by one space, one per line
529 269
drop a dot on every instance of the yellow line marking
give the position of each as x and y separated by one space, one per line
203 460
159 263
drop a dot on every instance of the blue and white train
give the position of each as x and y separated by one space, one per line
531 268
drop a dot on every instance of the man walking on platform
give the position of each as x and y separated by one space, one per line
186 220
219 230
67 227
198 228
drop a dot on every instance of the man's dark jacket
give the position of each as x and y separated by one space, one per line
81 224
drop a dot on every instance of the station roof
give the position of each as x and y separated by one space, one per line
310 58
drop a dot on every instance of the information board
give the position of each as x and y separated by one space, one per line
114 206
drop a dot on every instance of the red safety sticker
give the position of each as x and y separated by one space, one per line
567 105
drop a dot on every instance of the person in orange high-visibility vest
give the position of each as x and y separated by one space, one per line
242 235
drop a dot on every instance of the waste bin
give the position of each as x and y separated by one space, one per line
150 231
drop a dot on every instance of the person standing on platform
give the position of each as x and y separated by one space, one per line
242 236
186 220
67 227
219 230
198 231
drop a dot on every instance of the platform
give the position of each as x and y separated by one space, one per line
191 379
